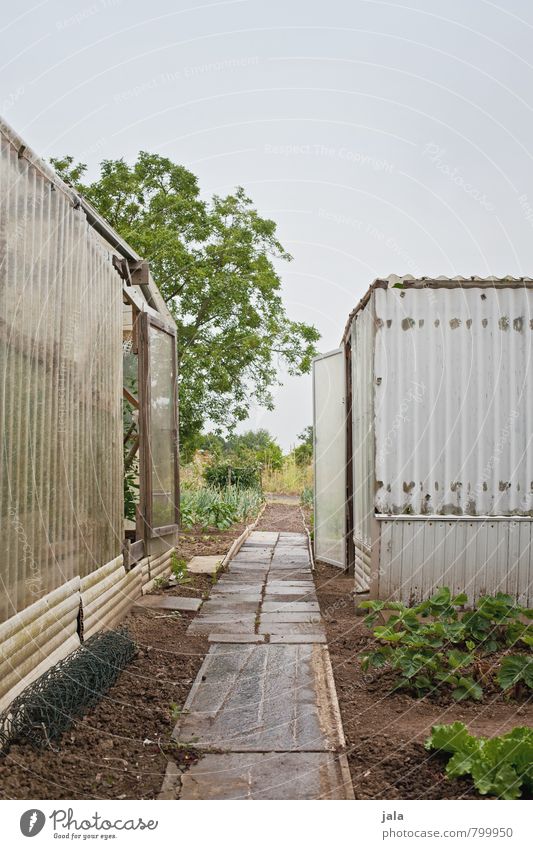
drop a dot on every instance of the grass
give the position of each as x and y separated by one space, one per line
291 478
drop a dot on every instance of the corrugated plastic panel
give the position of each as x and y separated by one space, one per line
60 389
362 339
32 641
419 555
162 423
454 401
330 457
107 594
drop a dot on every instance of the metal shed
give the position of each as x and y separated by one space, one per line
72 293
438 469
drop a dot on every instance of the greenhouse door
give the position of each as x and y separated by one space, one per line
329 420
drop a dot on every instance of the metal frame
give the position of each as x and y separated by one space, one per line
144 518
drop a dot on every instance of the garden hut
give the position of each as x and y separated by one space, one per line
424 439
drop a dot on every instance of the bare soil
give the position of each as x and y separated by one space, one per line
281 516
385 731
120 749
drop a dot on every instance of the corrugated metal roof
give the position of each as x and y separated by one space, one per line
407 281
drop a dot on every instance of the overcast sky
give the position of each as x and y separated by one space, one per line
381 136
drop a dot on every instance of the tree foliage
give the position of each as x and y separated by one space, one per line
303 453
215 263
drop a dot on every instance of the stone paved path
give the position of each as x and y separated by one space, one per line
263 706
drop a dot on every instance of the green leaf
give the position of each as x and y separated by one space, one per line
385 632
515 668
467 688
460 600
451 738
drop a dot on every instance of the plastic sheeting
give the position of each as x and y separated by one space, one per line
330 457
162 426
60 389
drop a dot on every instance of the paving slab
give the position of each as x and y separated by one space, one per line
290 617
254 775
289 598
266 537
251 570
297 639
290 628
169 602
289 575
236 638
230 597
253 555
280 584
201 565
289 606
231 607
287 589
228 626
263 698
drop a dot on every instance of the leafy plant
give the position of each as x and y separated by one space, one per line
178 567
219 508
223 475
437 643
499 766
515 670
307 497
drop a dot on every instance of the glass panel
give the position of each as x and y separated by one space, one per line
162 436
60 390
330 458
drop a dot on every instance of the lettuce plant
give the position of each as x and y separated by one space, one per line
499 766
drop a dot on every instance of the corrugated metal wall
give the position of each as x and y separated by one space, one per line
60 389
362 338
477 557
329 419
454 401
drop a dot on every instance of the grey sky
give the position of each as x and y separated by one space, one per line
381 136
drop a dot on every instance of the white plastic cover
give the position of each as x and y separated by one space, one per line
329 415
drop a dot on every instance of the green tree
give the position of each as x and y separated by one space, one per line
255 446
214 262
303 453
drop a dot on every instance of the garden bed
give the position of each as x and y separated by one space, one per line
120 750
385 731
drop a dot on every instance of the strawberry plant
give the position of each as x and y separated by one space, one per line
440 644
499 766
516 670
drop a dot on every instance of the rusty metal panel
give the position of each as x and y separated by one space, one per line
60 387
471 555
329 419
362 339
453 400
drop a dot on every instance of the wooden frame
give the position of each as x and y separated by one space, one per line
145 530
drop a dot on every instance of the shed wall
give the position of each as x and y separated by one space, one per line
454 401
362 339
478 557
